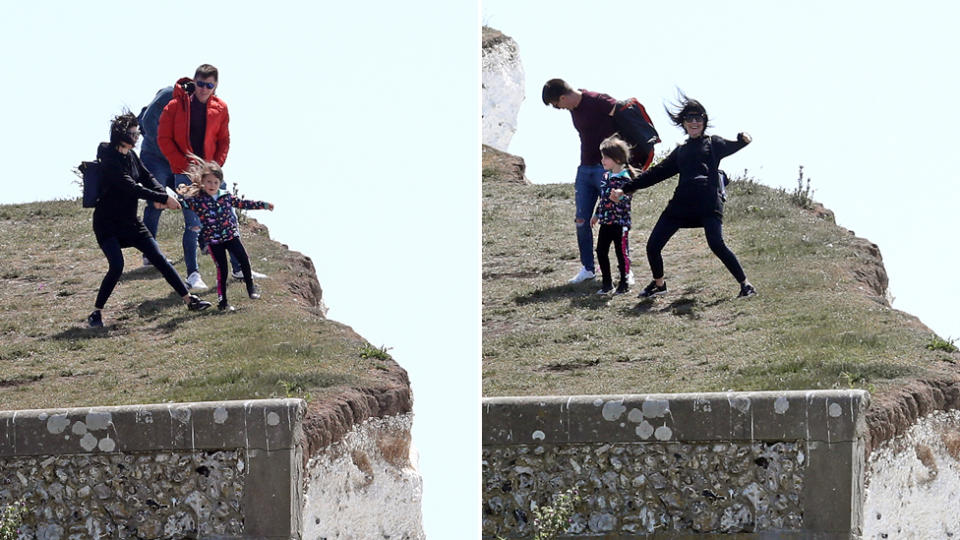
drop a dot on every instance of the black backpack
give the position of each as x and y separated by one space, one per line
635 126
92 173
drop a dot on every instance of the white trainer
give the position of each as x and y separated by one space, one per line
194 281
630 280
253 273
583 275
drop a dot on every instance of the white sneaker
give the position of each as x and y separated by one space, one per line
630 280
253 273
194 281
583 275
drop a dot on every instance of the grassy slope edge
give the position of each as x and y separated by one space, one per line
820 320
152 349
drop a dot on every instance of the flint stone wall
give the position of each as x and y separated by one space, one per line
753 465
205 470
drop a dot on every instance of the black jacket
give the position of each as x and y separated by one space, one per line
125 181
696 161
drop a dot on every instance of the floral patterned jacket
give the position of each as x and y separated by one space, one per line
609 212
216 219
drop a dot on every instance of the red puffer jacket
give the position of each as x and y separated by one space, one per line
173 133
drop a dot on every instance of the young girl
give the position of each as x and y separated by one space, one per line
218 230
614 217
697 200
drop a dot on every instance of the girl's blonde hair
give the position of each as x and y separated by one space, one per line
198 169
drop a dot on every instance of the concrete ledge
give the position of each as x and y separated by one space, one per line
826 416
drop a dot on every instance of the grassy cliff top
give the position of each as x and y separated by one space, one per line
152 348
821 319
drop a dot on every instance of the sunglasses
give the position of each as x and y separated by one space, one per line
693 118
207 85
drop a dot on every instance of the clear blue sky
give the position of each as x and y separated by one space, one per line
862 94
359 120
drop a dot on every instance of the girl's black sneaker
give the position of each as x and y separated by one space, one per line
605 289
253 293
196 304
224 306
746 289
622 288
94 320
653 290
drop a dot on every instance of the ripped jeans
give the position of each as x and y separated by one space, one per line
587 188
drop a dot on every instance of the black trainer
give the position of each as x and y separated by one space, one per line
196 304
605 289
224 306
653 290
253 293
623 287
746 289
94 320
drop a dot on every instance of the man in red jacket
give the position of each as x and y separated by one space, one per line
195 122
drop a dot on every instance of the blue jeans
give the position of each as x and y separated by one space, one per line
191 230
160 170
587 188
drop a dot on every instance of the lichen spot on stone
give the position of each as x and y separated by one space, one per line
57 423
181 414
635 415
220 415
107 444
273 419
98 420
835 410
539 435
612 410
781 405
655 408
79 428
741 403
663 433
644 430
88 442
597 402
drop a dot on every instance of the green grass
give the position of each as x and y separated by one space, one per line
152 348
815 324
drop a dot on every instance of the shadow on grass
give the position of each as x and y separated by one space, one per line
553 294
82 332
141 273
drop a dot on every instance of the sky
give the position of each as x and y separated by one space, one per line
861 94
349 117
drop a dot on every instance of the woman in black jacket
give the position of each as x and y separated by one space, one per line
115 222
698 200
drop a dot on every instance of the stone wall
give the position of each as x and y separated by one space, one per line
788 464
210 470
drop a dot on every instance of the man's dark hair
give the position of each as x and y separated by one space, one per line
554 89
206 70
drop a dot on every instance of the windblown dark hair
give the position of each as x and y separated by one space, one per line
618 150
119 126
553 89
685 106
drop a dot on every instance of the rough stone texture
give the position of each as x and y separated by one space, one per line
786 464
645 487
893 413
913 482
166 494
498 166
366 485
502 88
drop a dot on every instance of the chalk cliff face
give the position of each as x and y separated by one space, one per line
502 88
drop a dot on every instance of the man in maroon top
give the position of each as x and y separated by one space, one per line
592 115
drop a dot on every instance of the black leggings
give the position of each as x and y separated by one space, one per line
667 226
219 253
114 253
616 235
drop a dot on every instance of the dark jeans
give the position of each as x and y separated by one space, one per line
666 227
616 235
148 246
219 254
